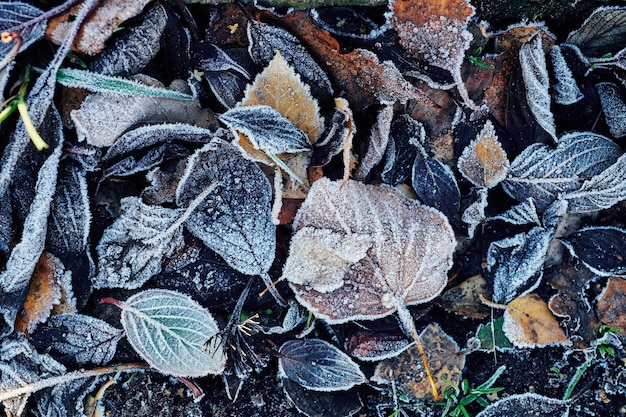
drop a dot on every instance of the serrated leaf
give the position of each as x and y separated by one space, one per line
514 264
529 323
483 162
603 32
532 60
566 90
111 86
523 405
317 365
547 174
521 214
136 46
170 331
435 184
133 248
601 191
235 220
80 338
267 129
601 249
613 107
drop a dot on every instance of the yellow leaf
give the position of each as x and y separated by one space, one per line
279 86
484 162
529 323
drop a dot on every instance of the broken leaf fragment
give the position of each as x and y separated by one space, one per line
388 251
407 371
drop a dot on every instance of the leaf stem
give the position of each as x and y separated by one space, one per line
61 379
288 170
37 140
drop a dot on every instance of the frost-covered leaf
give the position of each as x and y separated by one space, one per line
24 256
400 153
437 33
613 107
527 404
484 163
435 184
316 404
529 323
514 264
474 214
44 291
532 60
410 251
135 48
566 91
601 191
67 400
377 143
547 174
112 86
100 25
208 57
521 214
370 346
267 129
16 14
280 87
610 304
103 118
170 331
133 248
21 364
465 299
407 371
601 249
265 40
603 32
317 365
78 338
235 220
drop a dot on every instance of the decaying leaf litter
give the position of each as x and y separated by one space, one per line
425 195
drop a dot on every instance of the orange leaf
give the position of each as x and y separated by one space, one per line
611 303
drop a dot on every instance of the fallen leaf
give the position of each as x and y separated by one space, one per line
319 404
529 323
436 31
610 304
367 345
527 404
484 163
492 337
363 79
613 107
601 249
407 371
387 251
98 27
377 144
44 292
464 299
601 33
566 90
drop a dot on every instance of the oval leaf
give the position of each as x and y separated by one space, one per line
603 32
267 129
545 173
435 184
484 162
317 365
170 330
601 249
528 404
235 220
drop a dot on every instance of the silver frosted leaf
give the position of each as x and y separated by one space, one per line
601 249
17 14
170 331
135 48
474 214
601 191
546 174
521 214
378 141
68 399
267 129
527 404
317 365
613 107
85 339
515 263
368 251
235 219
537 83
566 90
133 248
603 32
483 162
